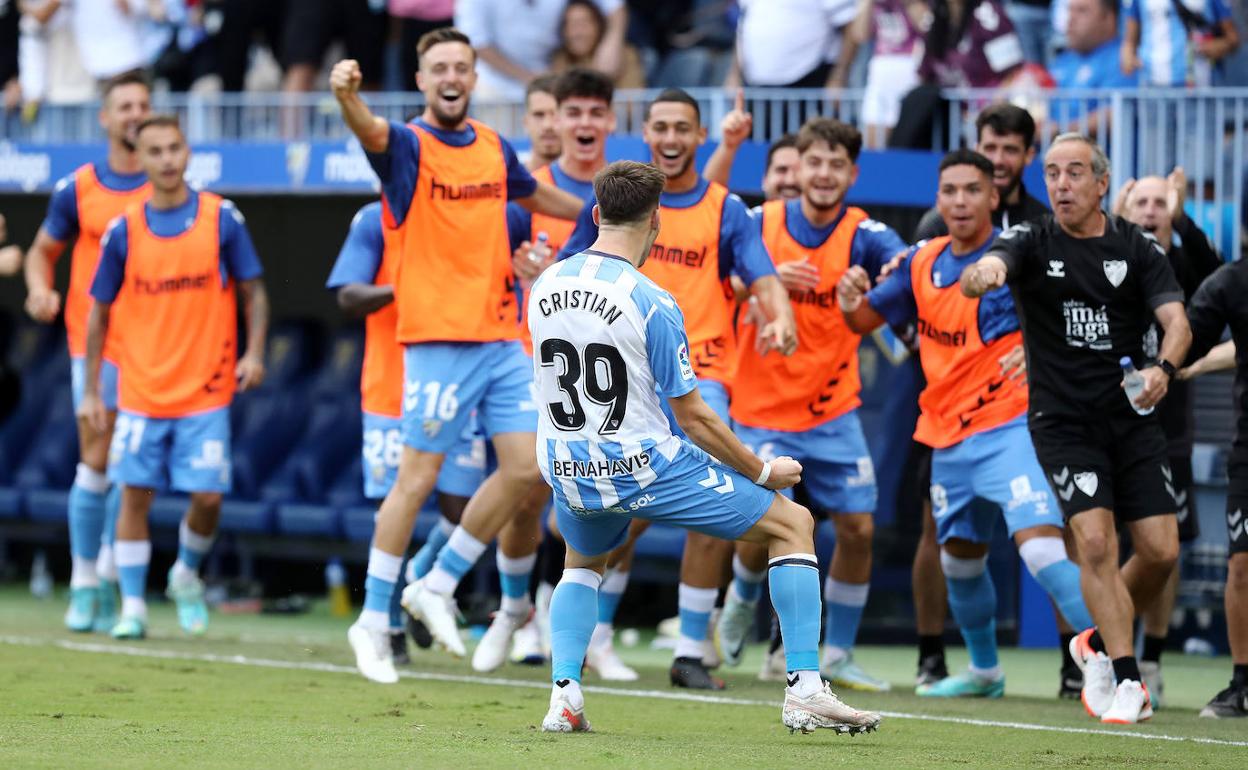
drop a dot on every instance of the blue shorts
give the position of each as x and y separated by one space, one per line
691 492
108 382
191 453
462 471
713 393
836 464
1000 467
445 382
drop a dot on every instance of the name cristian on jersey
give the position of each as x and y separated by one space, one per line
580 299
177 283
456 192
605 467
941 336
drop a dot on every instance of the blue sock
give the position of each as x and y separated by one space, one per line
396 609
514 573
133 559
1061 581
973 601
454 560
112 508
614 584
695 605
87 513
423 561
192 547
794 585
572 618
383 575
747 585
843 603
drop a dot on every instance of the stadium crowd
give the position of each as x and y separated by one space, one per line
810 273
59 52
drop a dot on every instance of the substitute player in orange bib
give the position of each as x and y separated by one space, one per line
181 256
446 180
82 206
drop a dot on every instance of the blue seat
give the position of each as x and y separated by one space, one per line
309 520
661 542
357 522
270 426
339 373
318 453
167 511
348 488
294 350
246 516
47 505
10 503
51 455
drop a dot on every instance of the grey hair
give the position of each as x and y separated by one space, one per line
1100 161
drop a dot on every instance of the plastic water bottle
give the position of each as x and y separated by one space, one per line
537 252
1133 383
336 582
40 577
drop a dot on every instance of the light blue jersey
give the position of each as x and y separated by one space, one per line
1165 39
609 345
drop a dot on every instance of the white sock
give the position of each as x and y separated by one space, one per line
808 683
603 633
182 574
466 547
572 689
106 564
83 574
133 607
688 647
374 620
833 654
516 606
986 674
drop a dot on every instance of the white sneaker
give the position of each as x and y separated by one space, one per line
774 669
372 653
526 644
1131 704
733 629
1098 684
491 651
604 661
824 709
437 612
565 716
1150 671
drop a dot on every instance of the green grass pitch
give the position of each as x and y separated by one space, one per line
280 691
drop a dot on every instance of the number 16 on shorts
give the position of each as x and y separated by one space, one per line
430 402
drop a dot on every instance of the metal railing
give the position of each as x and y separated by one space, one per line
1143 132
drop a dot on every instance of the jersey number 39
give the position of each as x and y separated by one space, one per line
599 373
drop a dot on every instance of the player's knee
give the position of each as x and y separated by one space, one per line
208 502
1237 573
1158 552
415 482
855 531
1096 549
796 521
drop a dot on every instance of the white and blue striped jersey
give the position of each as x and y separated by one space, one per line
1165 39
608 343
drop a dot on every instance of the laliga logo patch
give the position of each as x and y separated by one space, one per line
1087 483
1115 271
682 356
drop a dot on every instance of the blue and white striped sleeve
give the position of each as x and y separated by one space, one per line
667 345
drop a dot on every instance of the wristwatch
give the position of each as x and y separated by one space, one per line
1166 367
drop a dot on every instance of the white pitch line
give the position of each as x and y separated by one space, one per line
243 660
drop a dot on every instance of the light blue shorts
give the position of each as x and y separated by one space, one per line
836 464
108 382
191 453
462 472
445 382
998 466
692 492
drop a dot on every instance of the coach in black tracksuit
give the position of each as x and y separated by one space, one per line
1086 287
1220 302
